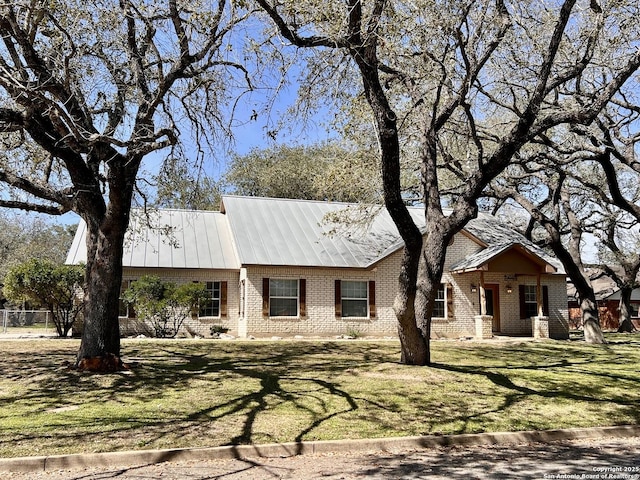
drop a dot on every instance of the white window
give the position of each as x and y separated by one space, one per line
283 298
531 300
210 307
440 307
355 300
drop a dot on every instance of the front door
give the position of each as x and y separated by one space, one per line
492 298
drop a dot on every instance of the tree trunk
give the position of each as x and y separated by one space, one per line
440 230
100 344
61 319
430 276
590 321
66 322
587 298
57 320
414 347
625 325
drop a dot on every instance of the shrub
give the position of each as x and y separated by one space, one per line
217 330
164 305
45 283
354 333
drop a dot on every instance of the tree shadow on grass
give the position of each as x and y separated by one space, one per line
171 367
513 379
270 372
303 378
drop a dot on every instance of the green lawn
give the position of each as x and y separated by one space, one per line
194 393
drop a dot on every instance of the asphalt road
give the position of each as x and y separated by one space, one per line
603 459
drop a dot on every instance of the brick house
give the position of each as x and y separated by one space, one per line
609 309
278 267
608 299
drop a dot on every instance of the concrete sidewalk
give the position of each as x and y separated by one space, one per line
287 450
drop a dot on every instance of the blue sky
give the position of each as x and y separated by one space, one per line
248 133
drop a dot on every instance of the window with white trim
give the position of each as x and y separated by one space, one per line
531 300
210 307
440 307
355 298
283 297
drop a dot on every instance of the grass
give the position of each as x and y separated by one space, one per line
194 393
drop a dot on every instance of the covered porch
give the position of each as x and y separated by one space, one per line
508 291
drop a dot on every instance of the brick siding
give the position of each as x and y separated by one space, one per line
191 326
244 299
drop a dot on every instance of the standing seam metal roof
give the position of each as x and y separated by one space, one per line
280 232
171 238
297 233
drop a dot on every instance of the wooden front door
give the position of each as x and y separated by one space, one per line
492 304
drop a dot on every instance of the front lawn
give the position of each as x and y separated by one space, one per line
195 393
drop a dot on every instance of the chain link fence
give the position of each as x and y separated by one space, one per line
27 322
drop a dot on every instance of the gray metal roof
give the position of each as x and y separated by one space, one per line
477 260
635 295
270 231
172 239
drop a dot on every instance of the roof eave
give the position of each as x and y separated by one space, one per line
484 266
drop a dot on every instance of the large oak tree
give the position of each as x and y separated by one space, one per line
88 90
467 84
585 181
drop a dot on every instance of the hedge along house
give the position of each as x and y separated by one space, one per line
278 267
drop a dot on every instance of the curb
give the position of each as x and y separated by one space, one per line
148 457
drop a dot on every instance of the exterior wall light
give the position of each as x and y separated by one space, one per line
509 289
474 289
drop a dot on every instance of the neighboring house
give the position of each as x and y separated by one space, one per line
609 310
277 267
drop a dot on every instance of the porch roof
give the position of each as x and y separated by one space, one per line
635 295
488 260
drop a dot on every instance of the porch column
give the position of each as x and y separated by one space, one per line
483 321
539 296
540 323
